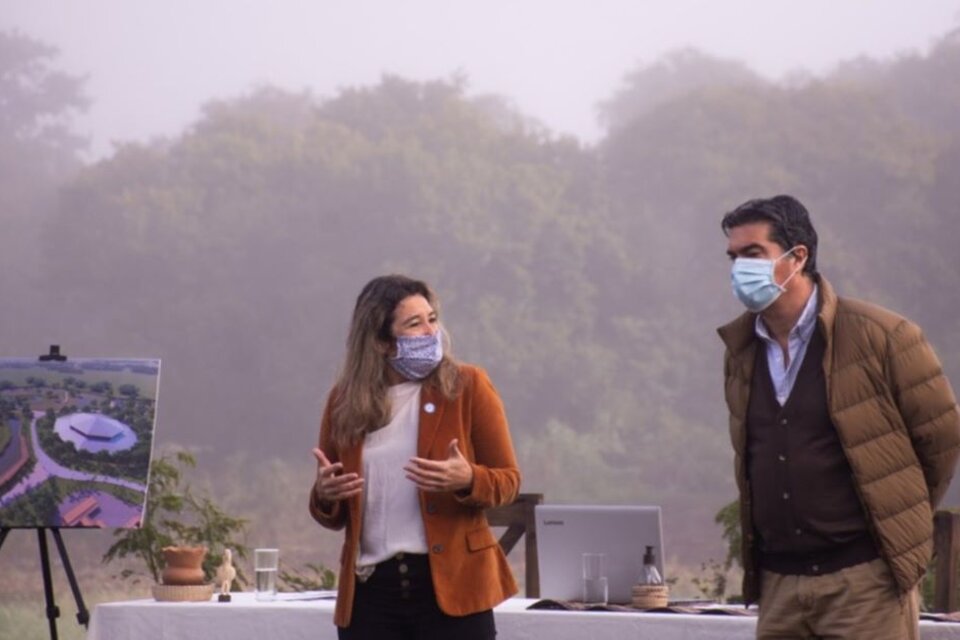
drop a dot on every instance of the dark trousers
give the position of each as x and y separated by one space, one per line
398 603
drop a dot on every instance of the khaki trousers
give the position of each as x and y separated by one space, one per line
861 601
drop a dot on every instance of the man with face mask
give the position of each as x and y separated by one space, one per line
845 432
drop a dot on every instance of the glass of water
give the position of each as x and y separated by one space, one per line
595 578
265 565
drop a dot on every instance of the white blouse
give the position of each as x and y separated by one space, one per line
392 522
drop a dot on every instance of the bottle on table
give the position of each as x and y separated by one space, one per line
649 575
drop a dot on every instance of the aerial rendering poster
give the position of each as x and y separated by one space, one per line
75 441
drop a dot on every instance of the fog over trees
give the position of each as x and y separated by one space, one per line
587 278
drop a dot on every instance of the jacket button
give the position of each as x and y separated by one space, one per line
431 508
437 548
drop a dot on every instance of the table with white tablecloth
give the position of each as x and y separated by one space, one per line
312 619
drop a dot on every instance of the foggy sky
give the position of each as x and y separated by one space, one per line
151 64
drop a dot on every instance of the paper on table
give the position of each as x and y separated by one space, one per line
307 595
714 609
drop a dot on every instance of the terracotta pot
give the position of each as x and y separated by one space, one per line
184 565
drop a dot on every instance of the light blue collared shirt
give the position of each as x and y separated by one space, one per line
783 377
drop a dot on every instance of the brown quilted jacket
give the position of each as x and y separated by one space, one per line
896 416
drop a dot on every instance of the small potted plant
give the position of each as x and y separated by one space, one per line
182 536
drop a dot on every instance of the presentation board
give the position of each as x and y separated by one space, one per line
76 438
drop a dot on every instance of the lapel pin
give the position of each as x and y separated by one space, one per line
429 407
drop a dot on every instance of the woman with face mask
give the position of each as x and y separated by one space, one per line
413 447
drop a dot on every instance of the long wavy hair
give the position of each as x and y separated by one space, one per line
361 404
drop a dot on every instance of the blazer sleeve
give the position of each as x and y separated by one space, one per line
496 476
332 515
927 405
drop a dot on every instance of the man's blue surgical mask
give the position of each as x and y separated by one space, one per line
754 282
418 356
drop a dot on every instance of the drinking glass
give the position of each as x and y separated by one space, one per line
265 565
595 578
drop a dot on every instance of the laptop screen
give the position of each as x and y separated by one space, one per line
622 532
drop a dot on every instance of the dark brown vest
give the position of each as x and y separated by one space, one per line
805 503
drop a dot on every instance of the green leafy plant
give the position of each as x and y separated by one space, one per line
315 577
714 580
728 517
178 515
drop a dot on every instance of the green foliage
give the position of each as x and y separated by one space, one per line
130 390
714 578
22 612
587 278
729 520
36 96
7 514
928 587
42 504
177 515
671 78
39 506
37 151
6 434
313 577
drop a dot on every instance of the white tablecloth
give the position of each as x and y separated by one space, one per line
245 618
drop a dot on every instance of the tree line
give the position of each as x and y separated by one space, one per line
588 279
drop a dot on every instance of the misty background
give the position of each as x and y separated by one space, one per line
212 185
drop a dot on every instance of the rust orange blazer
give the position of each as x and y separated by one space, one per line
470 572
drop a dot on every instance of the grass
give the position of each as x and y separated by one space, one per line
24 617
22 606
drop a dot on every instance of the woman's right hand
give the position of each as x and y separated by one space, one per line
331 484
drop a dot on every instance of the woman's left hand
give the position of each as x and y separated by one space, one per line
452 474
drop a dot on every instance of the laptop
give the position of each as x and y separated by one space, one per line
622 532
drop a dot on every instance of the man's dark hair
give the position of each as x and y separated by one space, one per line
789 224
